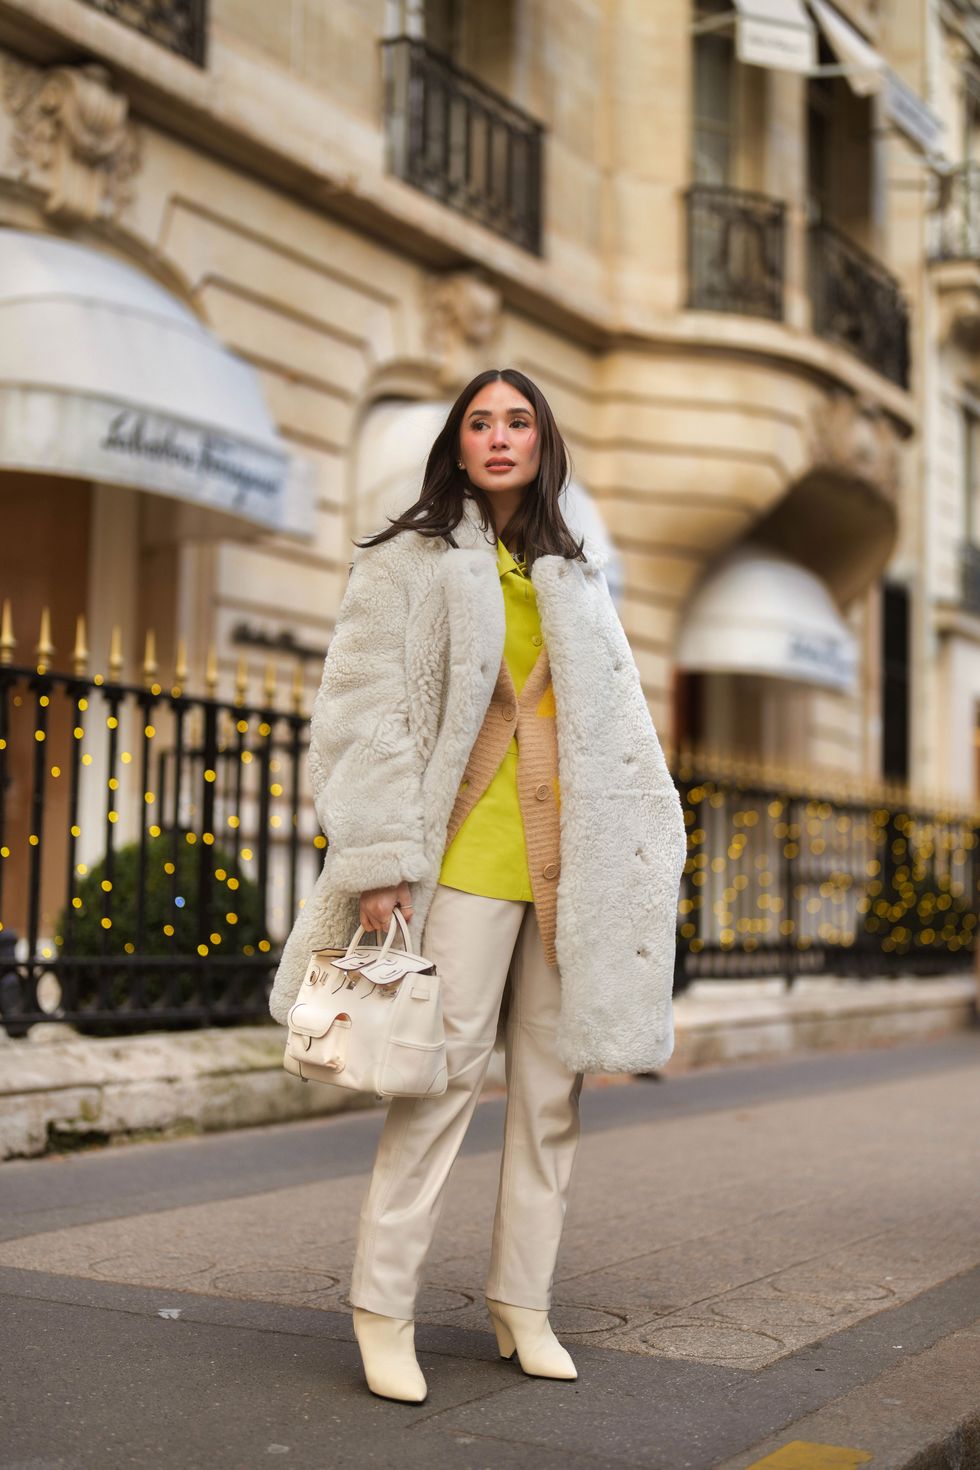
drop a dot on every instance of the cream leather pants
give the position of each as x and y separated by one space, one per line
477 943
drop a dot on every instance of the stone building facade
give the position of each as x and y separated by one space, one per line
705 239
945 559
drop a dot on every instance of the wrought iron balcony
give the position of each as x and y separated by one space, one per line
461 142
970 576
858 303
180 25
956 228
734 251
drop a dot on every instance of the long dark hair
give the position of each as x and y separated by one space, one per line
537 527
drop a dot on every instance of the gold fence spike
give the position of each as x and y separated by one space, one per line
241 681
115 655
45 648
297 690
150 666
180 666
7 640
211 672
269 683
79 654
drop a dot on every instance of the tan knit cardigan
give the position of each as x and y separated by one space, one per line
537 773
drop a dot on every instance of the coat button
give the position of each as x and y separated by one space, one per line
536 639
551 871
541 791
508 711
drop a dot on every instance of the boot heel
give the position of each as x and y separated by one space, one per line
505 1339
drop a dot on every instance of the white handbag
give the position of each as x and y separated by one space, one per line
369 1018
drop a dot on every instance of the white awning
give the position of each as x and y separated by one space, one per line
775 33
106 376
866 67
868 73
762 612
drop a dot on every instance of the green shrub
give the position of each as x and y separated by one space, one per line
169 902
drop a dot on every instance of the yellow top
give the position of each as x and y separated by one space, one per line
488 853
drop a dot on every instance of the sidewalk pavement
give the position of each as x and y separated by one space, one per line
771 1265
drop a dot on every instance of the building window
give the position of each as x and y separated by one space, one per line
970 544
895 684
819 129
443 22
971 467
180 25
712 104
840 161
855 301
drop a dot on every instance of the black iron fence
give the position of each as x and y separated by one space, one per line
461 142
794 879
155 846
858 303
180 25
735 251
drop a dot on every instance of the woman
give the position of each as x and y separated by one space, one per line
483 757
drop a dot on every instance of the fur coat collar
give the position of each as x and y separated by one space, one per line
406 684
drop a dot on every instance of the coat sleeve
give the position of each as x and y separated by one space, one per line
365 766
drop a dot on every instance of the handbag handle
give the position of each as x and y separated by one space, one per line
396 913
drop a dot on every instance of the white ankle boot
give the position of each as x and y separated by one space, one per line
387 1347
528 1332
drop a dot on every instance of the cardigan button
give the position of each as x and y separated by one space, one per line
508 712
541 791
536 639
551 871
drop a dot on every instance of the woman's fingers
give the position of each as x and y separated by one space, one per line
377 904
405 899
372 920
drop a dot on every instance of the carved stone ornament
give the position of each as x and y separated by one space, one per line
853 436
72 136
463 318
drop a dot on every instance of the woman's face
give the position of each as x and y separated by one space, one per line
498 439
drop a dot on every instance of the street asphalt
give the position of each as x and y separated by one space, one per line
770 1265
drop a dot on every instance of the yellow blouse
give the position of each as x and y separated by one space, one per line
488 853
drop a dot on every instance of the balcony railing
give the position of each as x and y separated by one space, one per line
970 576
461 142
180 25
735 245
858 304
956 229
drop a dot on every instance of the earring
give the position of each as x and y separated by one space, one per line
460 465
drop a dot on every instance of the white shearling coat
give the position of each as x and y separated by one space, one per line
406 683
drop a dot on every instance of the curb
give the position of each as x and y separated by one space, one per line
60 1091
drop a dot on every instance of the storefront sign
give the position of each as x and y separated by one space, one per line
239 476
95 439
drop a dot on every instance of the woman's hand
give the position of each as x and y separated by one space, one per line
377 905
